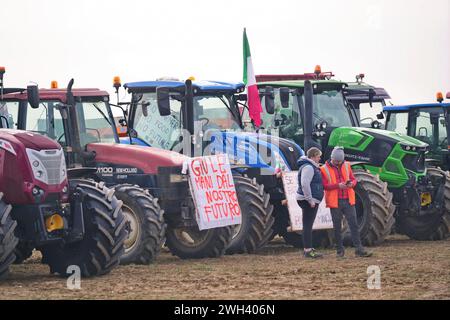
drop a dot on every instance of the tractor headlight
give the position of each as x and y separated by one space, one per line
36 164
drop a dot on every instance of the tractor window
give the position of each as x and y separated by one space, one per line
287 120
94 123
156 130
329 106
368 114
213 113
398 122
37 119
431 127
8 114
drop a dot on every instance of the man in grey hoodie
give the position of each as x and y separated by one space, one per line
309 195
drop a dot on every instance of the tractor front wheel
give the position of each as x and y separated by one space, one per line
256 211
8 241
374 210
191 243
105 233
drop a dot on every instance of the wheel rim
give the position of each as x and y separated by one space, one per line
134 231
236 230
191 237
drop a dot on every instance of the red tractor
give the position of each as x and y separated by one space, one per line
156 197
72 222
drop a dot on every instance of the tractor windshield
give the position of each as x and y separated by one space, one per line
330 106
214 113
398 122
211 112
156 130
430 127
94 123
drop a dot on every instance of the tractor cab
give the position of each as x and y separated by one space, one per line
429 123
368 102
90 121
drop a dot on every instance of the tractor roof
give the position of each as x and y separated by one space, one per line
59 94
300 83
416 106
380 93
199 86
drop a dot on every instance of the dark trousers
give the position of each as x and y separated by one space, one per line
309 215
345 209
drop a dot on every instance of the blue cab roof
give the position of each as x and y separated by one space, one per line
202 86
416 106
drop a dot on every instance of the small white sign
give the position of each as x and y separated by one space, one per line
214 193
323 220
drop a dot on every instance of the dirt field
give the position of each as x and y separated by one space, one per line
409 270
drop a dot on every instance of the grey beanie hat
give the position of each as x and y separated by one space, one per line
338 154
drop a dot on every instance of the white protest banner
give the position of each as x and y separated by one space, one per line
214 192
323 220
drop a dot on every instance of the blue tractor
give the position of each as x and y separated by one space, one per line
205 117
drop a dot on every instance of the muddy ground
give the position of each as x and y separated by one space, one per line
409 270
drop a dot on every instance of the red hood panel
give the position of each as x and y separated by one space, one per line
147 159
29 140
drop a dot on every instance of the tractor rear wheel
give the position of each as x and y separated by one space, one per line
191 243
374 210
105 233
147 230
431 227
256 211
8 240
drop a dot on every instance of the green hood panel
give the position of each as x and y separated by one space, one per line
400 138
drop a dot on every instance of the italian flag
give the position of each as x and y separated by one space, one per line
254 104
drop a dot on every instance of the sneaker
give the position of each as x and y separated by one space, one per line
312 254
362 253
340 253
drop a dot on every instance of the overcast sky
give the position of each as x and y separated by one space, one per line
402 45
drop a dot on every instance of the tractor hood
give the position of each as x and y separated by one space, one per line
147 159
397 137
258 150
30 140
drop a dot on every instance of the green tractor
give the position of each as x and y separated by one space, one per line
390 167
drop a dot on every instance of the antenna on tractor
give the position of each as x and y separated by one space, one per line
2 72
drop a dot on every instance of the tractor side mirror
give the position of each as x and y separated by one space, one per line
33 96
163 98
145 105
269 100
380 116
376 124
434 118
284 97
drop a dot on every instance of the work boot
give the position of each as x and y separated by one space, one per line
340 253
362 253
312 254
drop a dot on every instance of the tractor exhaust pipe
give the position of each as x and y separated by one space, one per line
309 95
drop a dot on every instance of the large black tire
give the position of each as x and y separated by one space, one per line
105 233
191 243
147 232
429 228
256 212
23 251
8 240
374 209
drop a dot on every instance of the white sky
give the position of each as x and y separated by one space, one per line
402 45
